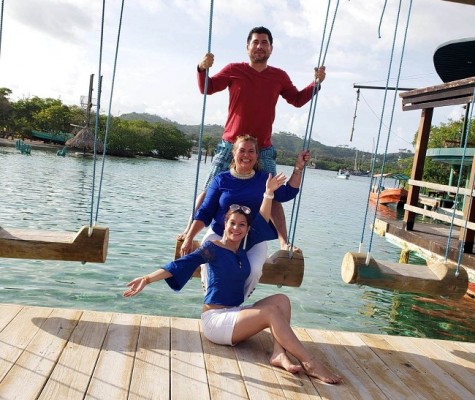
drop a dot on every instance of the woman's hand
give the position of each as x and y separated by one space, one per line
186 246
135 286
275 182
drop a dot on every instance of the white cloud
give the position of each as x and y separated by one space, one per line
50 47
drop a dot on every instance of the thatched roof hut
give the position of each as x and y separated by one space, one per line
84 140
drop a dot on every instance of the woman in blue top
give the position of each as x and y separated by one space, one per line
243 184
224 320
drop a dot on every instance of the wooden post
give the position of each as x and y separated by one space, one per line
437 279
418 165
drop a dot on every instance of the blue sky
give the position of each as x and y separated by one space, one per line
50 47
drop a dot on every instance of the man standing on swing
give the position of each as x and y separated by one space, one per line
254 89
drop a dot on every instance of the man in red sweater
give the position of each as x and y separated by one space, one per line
254 89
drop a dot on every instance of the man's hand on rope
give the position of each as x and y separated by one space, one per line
302 158
320 74
206 62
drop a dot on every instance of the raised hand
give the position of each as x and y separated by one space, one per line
275 182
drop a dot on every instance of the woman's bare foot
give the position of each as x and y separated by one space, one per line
281 360
316 369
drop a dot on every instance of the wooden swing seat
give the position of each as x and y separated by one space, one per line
437 279
55 245
281 269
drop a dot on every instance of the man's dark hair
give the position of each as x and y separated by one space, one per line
260 29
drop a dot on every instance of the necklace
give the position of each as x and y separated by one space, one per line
242 176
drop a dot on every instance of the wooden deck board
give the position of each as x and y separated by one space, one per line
111 375
72 374
259 377
150 377
224 375
38 359
358 385
383 377
70 354
188 371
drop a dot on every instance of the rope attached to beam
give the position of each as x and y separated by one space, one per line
310 121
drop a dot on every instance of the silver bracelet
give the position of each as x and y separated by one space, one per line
268 196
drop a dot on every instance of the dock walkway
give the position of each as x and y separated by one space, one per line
50 353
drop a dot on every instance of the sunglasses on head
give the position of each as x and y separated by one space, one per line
244 209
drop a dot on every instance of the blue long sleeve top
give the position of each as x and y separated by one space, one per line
226 189
227 270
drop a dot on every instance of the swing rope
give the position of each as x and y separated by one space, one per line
373 163
469 207
98 105
383 164
96 128
200 141
106 136
310 122
1 25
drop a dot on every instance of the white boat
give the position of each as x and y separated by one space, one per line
342 174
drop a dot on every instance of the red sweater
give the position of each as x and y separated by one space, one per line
253 96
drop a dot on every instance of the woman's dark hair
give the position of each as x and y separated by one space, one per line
259 30
238 211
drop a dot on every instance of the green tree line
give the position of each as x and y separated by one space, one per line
146 134
125 137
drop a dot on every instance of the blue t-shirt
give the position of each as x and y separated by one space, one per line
227 271
226 189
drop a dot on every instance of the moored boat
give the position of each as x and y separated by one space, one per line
396 195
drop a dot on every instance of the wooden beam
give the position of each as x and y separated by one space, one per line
54 245
439 216
281 269
418 164
446 94
438 279
468 2
402 89
441 188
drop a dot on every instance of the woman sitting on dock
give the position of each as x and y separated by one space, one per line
224 320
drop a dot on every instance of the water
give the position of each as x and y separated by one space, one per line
145 203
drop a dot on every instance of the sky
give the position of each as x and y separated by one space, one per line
50 48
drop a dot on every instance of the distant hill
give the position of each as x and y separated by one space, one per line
288 145
212 130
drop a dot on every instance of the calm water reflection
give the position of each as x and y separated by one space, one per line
145 203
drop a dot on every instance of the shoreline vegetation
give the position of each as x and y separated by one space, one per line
142 134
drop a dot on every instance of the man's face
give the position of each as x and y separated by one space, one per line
259 48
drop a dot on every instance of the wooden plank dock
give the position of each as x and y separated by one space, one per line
50 353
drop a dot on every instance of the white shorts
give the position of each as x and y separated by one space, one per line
218 325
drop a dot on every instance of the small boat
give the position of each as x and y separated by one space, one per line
343 174
395 195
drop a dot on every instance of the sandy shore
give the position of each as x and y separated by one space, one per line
35 144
